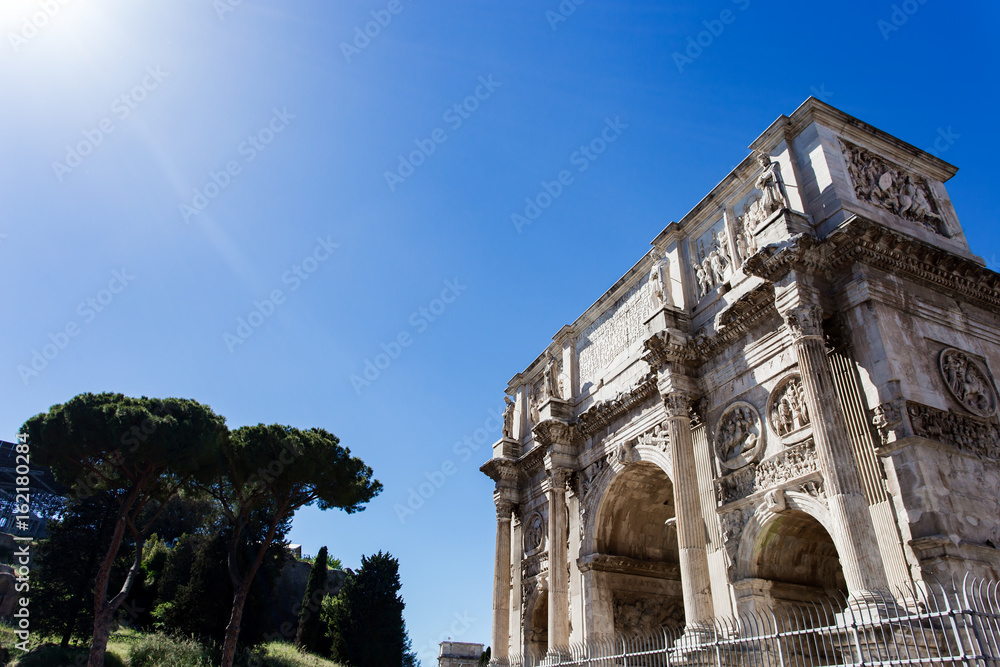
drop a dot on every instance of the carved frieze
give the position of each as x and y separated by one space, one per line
656 437
534 533
739 435
638 615
787 412
890 187
603 413
632 566
796 461
968 434
968 382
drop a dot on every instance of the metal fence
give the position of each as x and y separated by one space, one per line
948 625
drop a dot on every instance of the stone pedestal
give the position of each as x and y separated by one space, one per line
555 408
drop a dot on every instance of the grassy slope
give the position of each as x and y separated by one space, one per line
124 646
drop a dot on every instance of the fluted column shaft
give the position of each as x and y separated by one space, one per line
860 556
695 581
558 562
501 583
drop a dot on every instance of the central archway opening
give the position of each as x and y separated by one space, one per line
636 551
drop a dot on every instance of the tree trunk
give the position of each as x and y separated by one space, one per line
104 610
235 619
242 588
68 632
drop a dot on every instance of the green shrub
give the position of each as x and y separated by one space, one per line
160 650
50 655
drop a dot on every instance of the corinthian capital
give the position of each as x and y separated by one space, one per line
677 404
804 321
504 509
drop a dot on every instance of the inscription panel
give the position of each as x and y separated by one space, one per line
612 333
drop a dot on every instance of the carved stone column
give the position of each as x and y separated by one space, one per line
554 487
501 579
695 580
859 555
504 472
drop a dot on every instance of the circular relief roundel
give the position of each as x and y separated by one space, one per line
533 533
739 436
968 382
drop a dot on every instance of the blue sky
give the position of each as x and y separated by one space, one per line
218 154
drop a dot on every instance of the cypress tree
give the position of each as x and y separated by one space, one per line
310 632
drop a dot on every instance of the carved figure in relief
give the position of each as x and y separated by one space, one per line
788 407
769 184
723 245
718 263
742 249
701 275
748 223
887 186
736 433
533 407
550 379
885 418
968 383
508 417
659 282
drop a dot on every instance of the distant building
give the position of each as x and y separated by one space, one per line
459 654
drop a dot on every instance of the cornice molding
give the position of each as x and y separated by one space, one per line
862 241
606 412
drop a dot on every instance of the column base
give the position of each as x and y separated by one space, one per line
870 607
555 656
694 647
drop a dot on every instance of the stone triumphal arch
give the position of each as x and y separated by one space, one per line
789 399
